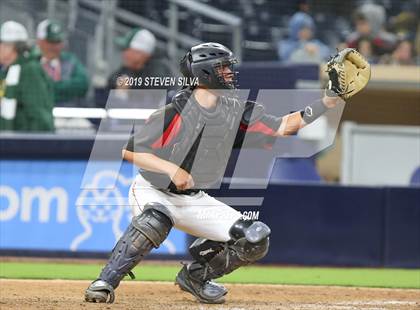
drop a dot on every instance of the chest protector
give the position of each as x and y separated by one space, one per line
208 137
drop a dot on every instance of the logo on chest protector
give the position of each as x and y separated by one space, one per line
205 252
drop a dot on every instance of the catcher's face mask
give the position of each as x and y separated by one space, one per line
226 74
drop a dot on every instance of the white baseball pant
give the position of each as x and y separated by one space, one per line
199 214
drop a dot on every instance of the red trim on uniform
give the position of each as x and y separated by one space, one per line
259 127
169 134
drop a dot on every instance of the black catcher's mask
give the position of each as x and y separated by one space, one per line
205 62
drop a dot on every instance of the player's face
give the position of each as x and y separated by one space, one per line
226 72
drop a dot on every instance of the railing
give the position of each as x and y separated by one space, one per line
208 11
170 32
109 20
109 10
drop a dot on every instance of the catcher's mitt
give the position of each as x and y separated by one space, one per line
349 73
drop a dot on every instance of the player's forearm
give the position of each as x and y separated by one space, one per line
291 123
150 162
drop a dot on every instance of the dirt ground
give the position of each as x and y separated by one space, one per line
64 294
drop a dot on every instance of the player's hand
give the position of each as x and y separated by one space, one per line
182 179
331 99
331 102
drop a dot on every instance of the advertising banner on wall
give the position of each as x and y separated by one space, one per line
43 207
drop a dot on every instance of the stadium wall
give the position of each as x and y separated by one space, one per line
314 224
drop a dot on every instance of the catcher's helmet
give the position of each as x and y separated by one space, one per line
205 61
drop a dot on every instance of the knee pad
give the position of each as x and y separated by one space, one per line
250 239
153 223
249 243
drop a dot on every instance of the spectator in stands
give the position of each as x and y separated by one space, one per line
138 62
64 68
25 90
369 21
364 46
405 23
301 46
303 6
138 50
402 55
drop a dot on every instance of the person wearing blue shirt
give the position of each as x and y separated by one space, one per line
301 46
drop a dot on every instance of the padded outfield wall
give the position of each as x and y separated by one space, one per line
313 224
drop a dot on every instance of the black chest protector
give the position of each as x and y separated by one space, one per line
208 137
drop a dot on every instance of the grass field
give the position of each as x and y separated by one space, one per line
362 277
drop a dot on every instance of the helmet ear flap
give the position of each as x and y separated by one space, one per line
185 65
190 59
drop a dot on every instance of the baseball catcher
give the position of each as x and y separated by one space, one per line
183 149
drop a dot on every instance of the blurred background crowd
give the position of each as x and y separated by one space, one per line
59 60
66 60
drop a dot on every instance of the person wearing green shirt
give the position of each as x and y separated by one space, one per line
26 92
64 68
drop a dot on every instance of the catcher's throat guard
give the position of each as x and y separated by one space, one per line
349 72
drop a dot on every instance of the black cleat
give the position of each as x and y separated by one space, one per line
100 291
205 291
